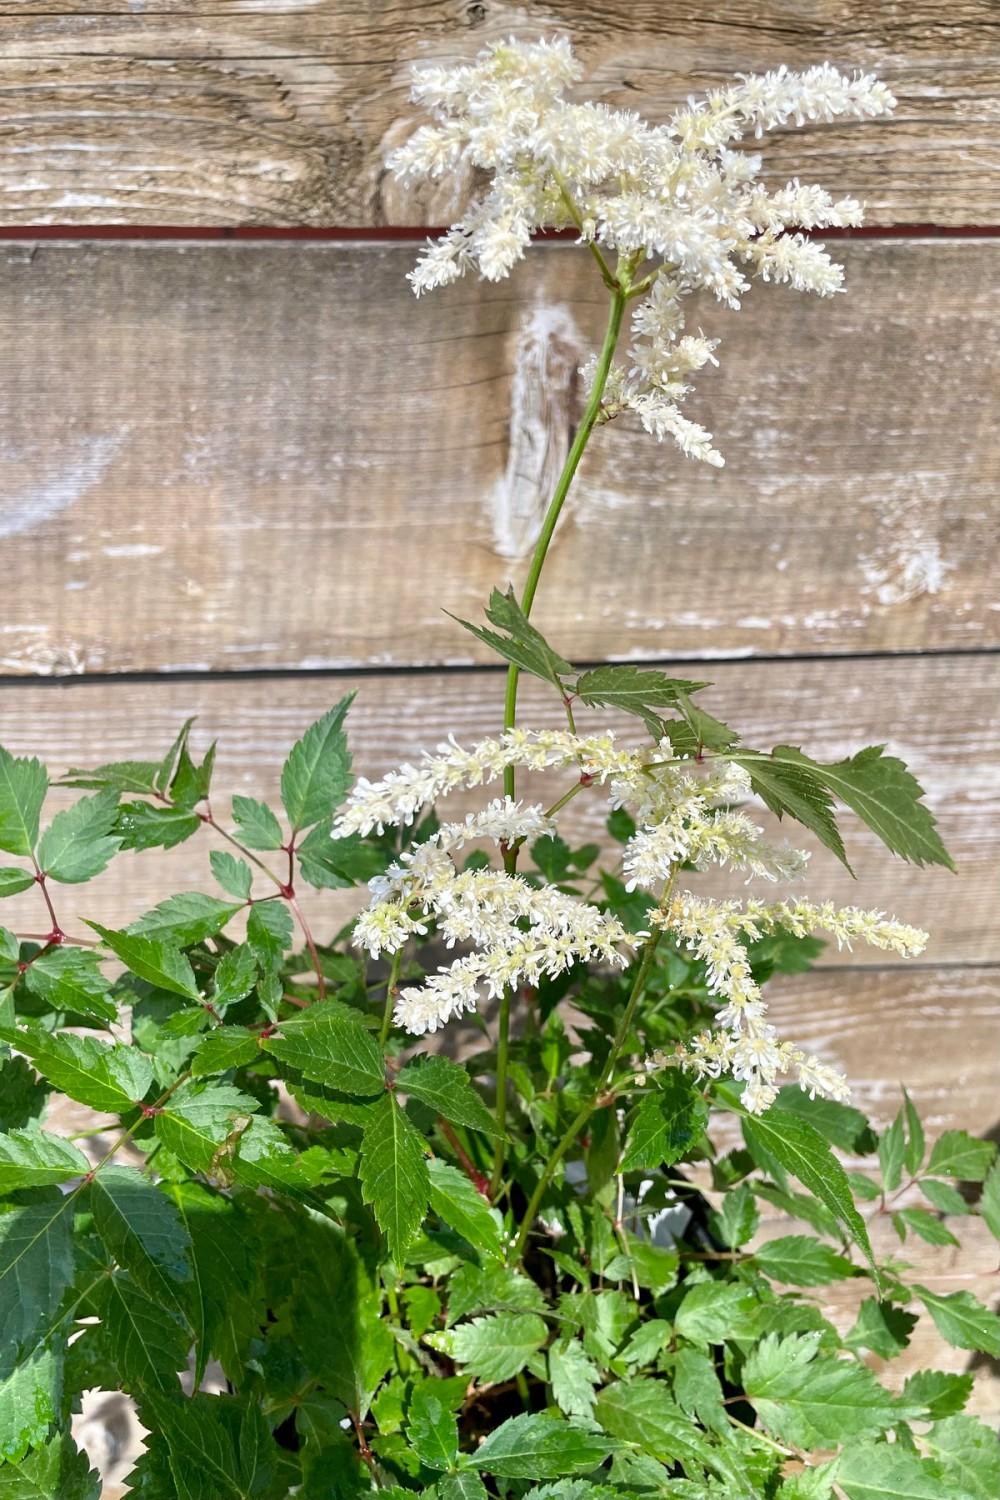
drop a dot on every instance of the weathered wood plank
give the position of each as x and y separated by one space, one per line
165 111
830 710
271 455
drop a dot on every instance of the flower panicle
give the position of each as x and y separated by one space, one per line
682 209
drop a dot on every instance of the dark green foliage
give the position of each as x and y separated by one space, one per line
280 1187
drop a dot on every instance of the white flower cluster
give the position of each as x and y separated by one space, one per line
400 795
519 934
746 1045
681 208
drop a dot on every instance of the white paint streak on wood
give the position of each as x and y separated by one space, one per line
61 481
542 399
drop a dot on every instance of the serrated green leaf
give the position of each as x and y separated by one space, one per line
989 1203
698 1390
968 1454
801 1150
143 1232
641 1411
256 824
57 1471
668 1121
23 784
960 1155
234 875
785 782
330 1049
445 1087
394 1177
22 1095
158 963
269 933
573 1377
71 979
915 1140
119 775
462 1207
698 730
551 855
713 1312
634 690
234 977
141 826
520 643
963 1320
891 1151
881 1327
30 1400
431 1428
191 781
78 843
840 1124
878 1471
496 1347
110 1077
185 919
220 1447
945 1198
227 1276
36 1267
13 881
813 1401
736 1220
335 864
200 1118
938 1394
799 1260
225 1048
34 1158
536 1446
317 773
925 1225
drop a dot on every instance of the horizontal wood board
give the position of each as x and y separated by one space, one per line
231 456
173 112
831 709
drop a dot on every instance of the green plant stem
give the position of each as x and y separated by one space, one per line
390 996
585 1112
503 1053
619 297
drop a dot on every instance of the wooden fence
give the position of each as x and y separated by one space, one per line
244 471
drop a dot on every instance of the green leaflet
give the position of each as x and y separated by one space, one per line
185 919
669 1119
801 1150
495 1347
394 1175
256 825
36 1158
446 1087
13 881
534 1446
963 1320
234 875
876 1471
462 1207
634 690
30 1399
220 1448
110 1077
148 1342
641 1411
142 826
36 1267
519 642
331 1049
71 979
23 784
158 963
431 1427
800 1260
573 1376
316 775
78 843
142 1231
810 1401
958 1154
55 1471
967 1452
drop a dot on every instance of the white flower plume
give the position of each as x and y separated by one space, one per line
675 201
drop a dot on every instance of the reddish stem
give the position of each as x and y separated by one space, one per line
479 1182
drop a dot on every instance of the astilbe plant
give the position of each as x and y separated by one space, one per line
324 1258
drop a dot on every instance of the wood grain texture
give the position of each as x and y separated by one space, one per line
214 457
830 711
173 112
